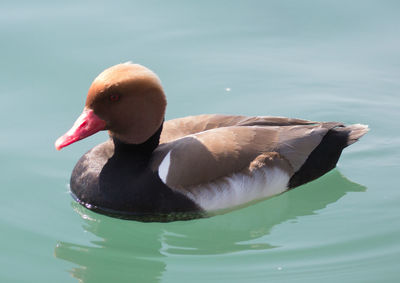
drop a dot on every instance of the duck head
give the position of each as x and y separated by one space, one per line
127 100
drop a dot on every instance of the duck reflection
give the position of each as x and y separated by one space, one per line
137 252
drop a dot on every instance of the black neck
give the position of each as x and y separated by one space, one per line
147 147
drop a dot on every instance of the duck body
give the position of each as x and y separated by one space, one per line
189 167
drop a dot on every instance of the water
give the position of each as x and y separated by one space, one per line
316 60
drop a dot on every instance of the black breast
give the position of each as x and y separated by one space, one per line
115 178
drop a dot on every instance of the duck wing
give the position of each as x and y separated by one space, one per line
181 127
218 152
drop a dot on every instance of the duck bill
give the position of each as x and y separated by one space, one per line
86 125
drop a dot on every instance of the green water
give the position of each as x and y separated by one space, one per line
318 60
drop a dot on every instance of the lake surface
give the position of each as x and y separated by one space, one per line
317 60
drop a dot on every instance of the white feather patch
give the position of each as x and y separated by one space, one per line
164 167
238 189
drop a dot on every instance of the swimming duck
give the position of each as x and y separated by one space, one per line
194 165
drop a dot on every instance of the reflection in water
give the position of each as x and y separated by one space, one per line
125 251
139 249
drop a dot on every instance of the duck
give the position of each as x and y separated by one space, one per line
156 170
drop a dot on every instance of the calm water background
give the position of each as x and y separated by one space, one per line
319 60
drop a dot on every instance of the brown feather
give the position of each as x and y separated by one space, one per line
215 146
177 128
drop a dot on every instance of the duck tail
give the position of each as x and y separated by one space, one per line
355 132
325 156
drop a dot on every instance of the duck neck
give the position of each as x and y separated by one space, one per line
145 148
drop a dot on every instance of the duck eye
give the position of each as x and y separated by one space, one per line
114 97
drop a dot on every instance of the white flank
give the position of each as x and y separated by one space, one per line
164 167
238 189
